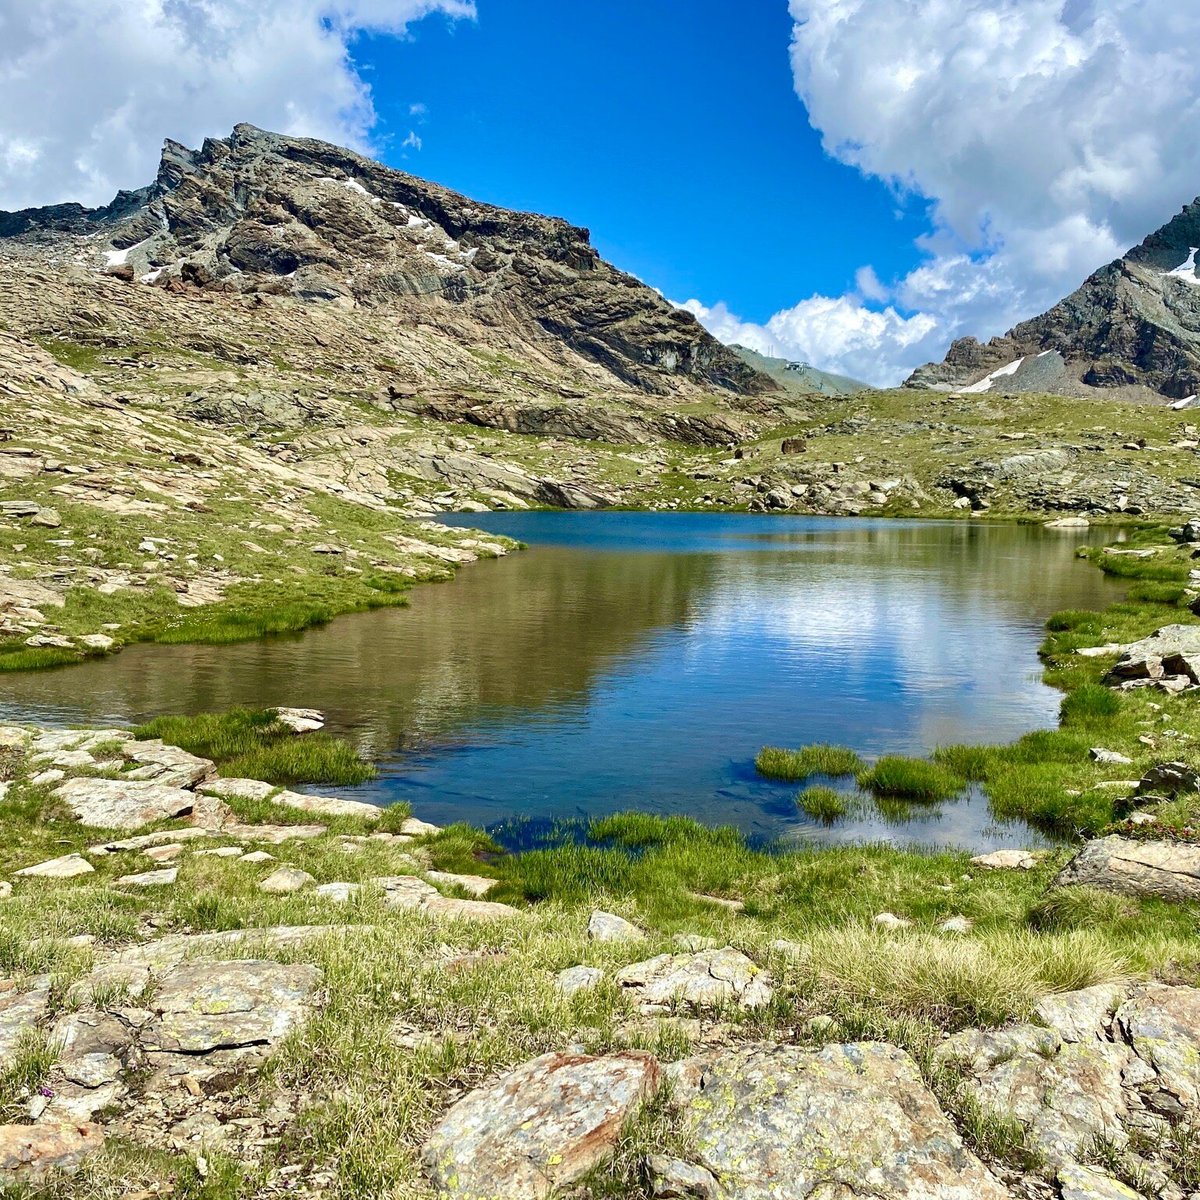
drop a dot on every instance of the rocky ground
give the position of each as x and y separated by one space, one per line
215 987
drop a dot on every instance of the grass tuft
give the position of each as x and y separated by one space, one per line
794 766
823 803
910 779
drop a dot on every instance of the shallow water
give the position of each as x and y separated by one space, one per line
640 661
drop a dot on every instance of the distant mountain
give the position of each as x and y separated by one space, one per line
1133 325
261 213
799 376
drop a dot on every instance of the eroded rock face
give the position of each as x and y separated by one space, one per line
709 979
784 1123
538 1128
1170 870
1163 1026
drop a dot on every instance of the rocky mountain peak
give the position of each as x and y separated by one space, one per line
263 213
1133 326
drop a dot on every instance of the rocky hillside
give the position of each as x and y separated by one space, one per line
1133 325
258 213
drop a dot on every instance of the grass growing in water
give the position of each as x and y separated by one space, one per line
794 766
910 779
823 803
253 743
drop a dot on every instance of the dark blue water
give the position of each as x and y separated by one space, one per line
641 660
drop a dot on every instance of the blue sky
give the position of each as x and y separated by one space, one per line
851 182
672 132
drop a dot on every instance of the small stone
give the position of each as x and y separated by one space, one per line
161 878
257 856
223 852
578 979
339 893
301 720
1006 860
887 920
608 927
414 828
1109 757
164 853
956 925
66 867
285 880
709 979
674 1179
5 889
97 641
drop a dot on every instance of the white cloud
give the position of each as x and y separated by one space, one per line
1050 135
89 88
413 141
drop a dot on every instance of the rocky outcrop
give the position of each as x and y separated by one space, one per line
260 212
708 979
1168 870
848 1120
1134 323
538 1128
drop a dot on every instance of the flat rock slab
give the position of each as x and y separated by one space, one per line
409 892
1144 659
1007 860
608 927
66 867
123 804
709 979
328 806
285 880
476 885
166 764
784 1123
539 1128
1081 1016
1169 870
149 879
34 1155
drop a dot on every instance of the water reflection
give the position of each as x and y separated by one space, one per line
640 660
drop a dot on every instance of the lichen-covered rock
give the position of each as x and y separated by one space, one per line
674 1179
168 765
785 1123
709 979
1170 870
33 1155
1065 1094
1162 1024
538 1128
123 803
1088 1183
578 979
1081 1016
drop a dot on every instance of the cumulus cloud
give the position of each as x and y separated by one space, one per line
1050 135
89 88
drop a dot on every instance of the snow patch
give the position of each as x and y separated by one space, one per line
985 384
1187 269
352 185
118 258
1186 402
443 263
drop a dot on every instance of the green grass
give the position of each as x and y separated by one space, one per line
823 803
794 766
253 744
897 777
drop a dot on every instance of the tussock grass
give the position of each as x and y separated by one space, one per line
794 766
251 743
910 779
824 803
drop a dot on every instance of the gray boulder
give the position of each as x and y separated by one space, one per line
122 803
1170 870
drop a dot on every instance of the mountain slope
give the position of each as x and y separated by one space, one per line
800 377
261 213
1133 325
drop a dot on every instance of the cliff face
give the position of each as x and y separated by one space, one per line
1134 323
261 213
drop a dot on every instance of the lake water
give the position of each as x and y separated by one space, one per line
640 660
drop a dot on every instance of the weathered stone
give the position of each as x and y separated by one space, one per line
674 1179
34 1155
1064 1094
147 841
301 720
240 789
166 765
66 867
451 909
845 1121
404 891
147 879
578 979
709 979
328 806
20 1011
1144 659
1163 1025
1081 1016
1109 758
887 920
477 885
1007 860
165 853
256 857
1088 1183
1169 779
1170 870
123 804
538 1128
6 889
285 880
608 927
171 950
415 828
339 893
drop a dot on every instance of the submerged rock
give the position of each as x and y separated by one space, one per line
539 1128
